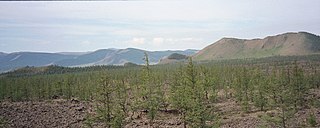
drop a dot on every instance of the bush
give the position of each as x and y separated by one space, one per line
3 122
312 121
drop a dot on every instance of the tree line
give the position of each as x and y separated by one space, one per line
190 88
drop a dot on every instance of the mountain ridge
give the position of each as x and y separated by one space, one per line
286 44
11 61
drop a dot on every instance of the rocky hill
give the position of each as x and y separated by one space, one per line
287 44
173 58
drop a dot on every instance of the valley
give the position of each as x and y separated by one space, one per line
185 89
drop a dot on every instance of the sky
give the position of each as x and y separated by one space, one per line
150 24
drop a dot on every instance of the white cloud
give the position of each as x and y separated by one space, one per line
158 41
174 43
129 32
152 25
137 41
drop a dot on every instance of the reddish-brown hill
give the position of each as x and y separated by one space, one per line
287 44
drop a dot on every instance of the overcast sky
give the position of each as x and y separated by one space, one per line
150 25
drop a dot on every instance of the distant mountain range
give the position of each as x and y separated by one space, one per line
10 61
287 44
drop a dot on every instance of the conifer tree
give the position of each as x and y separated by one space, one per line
104 106
69 82
189 97
208 84
298 85
282 93
149 97
272 84
122 96
180 95
243 89
285 99
259 83
111 103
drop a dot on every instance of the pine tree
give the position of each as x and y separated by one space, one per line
122 96
149 96
285 99
259 83
298 85
282 94
180 95
104 106
111 107
208 84
272 88
69 82
243 89
188 95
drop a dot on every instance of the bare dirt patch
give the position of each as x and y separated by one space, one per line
64 113
58 113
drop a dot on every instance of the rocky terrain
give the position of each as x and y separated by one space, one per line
57 113
73 113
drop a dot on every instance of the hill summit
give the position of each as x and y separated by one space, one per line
173 58
287 44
